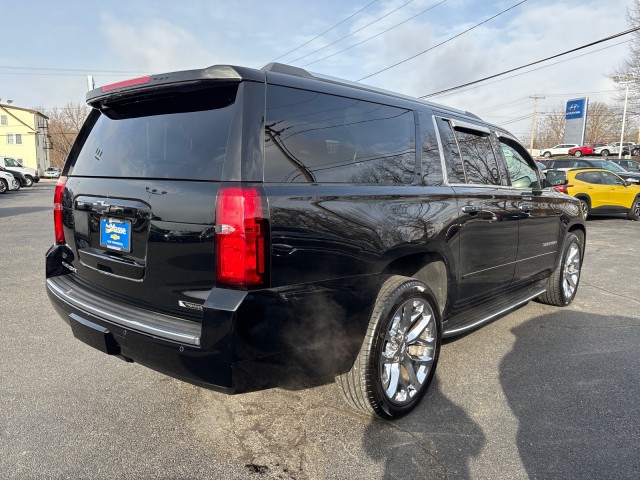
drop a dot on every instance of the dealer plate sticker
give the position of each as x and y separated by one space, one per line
115 234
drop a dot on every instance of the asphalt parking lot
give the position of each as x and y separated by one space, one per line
540 393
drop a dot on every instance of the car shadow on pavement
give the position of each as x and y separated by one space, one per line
439 445
574 388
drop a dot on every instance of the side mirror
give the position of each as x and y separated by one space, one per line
545 183
627 183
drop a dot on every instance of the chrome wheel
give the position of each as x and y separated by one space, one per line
29 181
3 186
408 351
585 208
571 272
636 208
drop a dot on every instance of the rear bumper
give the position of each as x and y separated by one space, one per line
180 359
246 341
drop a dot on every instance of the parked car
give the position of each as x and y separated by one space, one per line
52 172
582 150
246 228
600 191
561 149
635 150
594 163
18 177
30 173
8 182
629 165
612 149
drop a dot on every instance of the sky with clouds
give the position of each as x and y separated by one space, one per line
51 47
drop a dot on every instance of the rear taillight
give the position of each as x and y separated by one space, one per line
242 233
562 188
57 210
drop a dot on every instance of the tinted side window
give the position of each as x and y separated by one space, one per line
589 177
314 137
609 178
478 159
581 164
521 172
452 159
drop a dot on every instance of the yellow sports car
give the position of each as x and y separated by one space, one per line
599 190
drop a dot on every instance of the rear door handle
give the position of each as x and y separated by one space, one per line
471 209
525 208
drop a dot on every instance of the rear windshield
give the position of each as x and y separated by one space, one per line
177 135
556 177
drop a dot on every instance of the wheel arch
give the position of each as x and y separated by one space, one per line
579 228
584 196
430 268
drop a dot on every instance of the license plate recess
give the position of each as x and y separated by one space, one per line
115 234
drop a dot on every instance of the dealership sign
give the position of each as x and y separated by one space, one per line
576 108
576 120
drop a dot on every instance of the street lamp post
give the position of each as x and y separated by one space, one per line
626 80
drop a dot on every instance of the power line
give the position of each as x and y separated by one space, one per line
441 43
540 68
376 35
354 32
611 37
326 31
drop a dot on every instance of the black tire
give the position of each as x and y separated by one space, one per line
585 204
605 153
4 186
29 181
634 212
562 285
16 185
546 154
387 351
577 153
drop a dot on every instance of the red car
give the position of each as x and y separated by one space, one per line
580 151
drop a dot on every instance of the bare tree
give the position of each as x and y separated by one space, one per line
64 125
603 125
631 66
550 129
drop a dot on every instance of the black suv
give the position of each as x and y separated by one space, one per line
242 229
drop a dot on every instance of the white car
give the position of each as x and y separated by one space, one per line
31 174
562 149
613 149
8 182
52 172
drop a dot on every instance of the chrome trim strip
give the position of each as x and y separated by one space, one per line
138 280
163 326
493 315
469 126
507 264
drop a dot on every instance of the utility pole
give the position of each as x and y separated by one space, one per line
533 121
